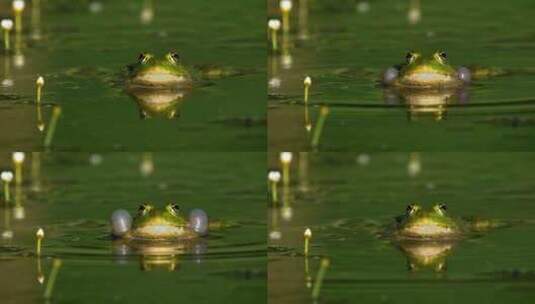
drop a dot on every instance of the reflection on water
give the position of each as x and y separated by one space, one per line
426 255
154 103
347 200
159 254
426 102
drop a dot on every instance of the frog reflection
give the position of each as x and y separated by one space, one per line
432 102
158 103
426 255
159 255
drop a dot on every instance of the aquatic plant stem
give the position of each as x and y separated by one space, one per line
286 159
36 171
307 235
40 276
286 7
324 264
7 195
7 44
56 264
36 19
39 83
286 21
18 22
52 126
307 83
18 174
40 123
18 160
18 8
274 42
274 194
308 278
324 111
40 234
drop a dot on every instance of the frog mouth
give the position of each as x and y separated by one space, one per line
159 78
427 78
160 231
427 230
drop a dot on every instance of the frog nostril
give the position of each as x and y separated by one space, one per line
121 221
390 75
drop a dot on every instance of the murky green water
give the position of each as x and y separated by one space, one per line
81 53
345 58
345 197
72 195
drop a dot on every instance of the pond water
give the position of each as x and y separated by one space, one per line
72 195
345 45
82 49
345 198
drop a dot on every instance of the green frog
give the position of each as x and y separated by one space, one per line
428 236
436 224
152 224
160 236
153 72
420 224
168 72
425 72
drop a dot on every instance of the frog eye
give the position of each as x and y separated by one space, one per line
144 57
441 209
441 57
412 208
173 57
411 56
173 209
144 209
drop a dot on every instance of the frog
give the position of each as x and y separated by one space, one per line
152 224
426 72
153 72
169 73
436 224
428 236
